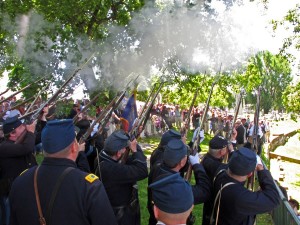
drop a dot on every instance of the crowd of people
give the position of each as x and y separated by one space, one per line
92 182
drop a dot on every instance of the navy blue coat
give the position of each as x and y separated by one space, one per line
239 205
201 190
120 180
211 166
78 201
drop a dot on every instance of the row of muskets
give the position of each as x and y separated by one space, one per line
194 148
140 122
255 137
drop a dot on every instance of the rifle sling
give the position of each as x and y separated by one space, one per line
218 199
53 196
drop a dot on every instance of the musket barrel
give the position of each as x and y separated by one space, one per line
17 106
196 142
23 89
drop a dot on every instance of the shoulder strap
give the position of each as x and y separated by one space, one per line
218 198
37 197
218 173
53 195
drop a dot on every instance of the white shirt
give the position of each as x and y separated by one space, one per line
200 133
259 131
161 223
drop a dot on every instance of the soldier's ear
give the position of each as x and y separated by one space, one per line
156 211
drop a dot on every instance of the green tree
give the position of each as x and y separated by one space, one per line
291 21
59 32
270 72
291 98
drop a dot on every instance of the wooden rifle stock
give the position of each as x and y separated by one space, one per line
148 99
194 149
6 90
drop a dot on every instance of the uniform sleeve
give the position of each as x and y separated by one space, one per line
99 209
201 190
261 201
9 149
130 172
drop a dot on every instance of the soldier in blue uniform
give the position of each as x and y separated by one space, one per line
65 194
174 159
120 179
156 160
237 204
157 155
212 162
169 206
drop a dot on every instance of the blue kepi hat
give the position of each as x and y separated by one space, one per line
57 135
172 194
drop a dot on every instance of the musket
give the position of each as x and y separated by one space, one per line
17 106
6 90
36 98
148 99
237 108
75 119
23 89
55 95
236 112
104 116
196 142
188 117
255 137
140 123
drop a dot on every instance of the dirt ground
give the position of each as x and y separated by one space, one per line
287 173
